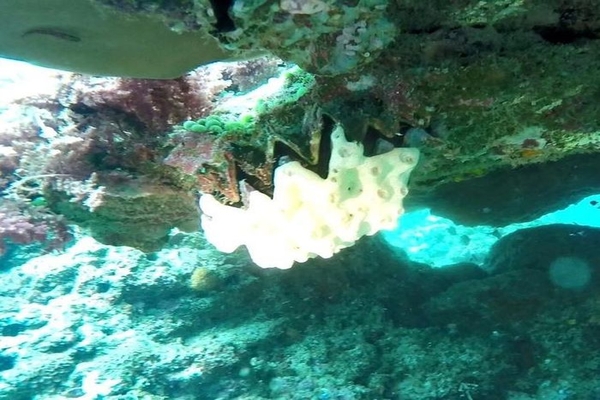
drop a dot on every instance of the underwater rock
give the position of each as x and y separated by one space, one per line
536 248
352 327
465 74
531 271
513 195
496 300
129 212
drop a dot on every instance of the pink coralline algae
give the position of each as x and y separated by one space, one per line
204 157
23 224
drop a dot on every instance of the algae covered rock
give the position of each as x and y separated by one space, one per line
129 212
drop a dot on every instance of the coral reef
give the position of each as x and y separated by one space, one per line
87 148
189 322
497 97
25 224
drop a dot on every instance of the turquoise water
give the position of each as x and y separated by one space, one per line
438 241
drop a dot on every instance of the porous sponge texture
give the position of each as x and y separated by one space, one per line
309 216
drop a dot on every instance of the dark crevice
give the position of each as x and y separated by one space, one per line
221 10
563 35
376 143
322 167
423 31
254 157
284 153
573 24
